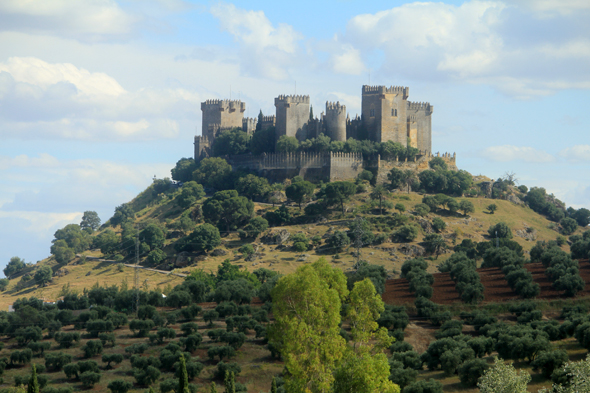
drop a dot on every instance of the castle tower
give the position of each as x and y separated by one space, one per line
249 125
335 121
292 116
220 115
202 147
420 125
384 113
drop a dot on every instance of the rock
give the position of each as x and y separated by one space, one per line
218 252
514 199
62 272
276 236
426 226
89 273
412 250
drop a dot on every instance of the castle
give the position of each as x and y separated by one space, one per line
386 115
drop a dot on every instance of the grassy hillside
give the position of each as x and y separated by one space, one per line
163 209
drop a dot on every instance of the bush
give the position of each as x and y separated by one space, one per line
92 348
246 249
89 378
407 233
225 351
423 386
338 241
140 327
547 361
57 360
21 357
119 386
472 370
116 358
224 368
438 224
67 340
146 376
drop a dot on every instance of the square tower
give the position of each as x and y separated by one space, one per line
292 116
384 113
420 125
219 115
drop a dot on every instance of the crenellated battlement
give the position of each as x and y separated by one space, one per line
269 119
386 90
425 106
295 99
335 107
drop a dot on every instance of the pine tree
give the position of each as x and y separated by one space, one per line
273 387
213 388
183 377
230 386
33 383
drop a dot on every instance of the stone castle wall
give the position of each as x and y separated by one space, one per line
277 167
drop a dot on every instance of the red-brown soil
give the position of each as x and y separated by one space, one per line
496 288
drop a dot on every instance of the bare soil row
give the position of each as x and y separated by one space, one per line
496 287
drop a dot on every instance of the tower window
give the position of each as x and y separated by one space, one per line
394 112
372 113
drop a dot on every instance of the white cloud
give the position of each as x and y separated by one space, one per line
480 42
348 61
89 20
578 153
265 50
507 153
62 101
546 8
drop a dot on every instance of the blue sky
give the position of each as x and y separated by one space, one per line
97 97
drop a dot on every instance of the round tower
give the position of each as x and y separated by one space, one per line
335 121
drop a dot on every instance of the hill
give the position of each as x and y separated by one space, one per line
159 206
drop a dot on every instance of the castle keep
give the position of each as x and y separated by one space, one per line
386 115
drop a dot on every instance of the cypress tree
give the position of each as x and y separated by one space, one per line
259 123
273 387
213 388
311 112
33 383
230 386
183 377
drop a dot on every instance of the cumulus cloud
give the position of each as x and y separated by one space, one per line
507 153
505 45
348 61
578 153
89 20
265 50
61 101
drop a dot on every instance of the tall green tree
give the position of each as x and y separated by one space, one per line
379 193
227 210
212 172
43 275
503 378
339 192
230 382
229 142
306 306
299 192
183 170
15 265
33 382
183 377
90 221
287 144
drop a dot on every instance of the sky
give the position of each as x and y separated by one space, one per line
99 96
